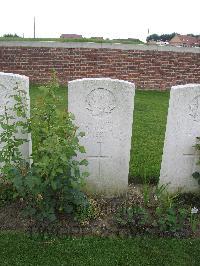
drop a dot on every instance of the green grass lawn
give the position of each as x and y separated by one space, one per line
150 117
18 249
70 40
148 131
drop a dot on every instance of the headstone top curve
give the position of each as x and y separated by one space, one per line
185 86
102 79
12 75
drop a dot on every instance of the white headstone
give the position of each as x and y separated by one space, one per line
183 126
103 109
7 84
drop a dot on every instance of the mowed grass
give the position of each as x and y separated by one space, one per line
149 125
95 40
18 249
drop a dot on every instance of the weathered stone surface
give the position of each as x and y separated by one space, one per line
183 126
103 109
7 83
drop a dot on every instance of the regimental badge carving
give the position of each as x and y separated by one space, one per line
100 102
194 108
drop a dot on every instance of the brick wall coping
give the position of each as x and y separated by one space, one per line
89 45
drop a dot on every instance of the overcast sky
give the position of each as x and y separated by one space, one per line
106 18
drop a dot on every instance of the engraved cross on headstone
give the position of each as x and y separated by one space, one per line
191 153
99 157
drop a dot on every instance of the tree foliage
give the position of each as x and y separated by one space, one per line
10 35
162 37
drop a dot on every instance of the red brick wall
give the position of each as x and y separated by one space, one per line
147 69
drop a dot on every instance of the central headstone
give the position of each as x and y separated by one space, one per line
103 109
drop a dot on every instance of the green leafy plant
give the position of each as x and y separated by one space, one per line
6 193
166 199
90 212
15 123
135 218
168 215
170 219
159 191
163 217
53 184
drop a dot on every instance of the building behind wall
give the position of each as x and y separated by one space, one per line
71 36
185 41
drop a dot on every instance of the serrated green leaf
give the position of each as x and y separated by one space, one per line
72 116
85 174
53 185
82 149
84 162
59 170
18 182
32 181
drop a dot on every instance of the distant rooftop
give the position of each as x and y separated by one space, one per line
71 36
185 40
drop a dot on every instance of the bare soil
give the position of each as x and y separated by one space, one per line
103 224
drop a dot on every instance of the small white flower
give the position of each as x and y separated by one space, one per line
155 197
194 210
